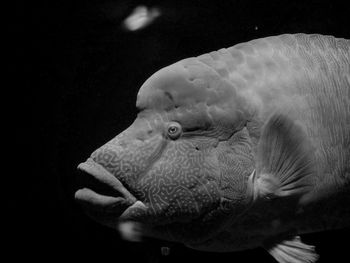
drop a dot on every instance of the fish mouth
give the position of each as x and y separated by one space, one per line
102 196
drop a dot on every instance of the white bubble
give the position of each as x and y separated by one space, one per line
130 231
140 18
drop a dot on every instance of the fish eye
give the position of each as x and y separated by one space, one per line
174 130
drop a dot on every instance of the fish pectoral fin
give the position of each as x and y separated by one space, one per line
293 251
285 164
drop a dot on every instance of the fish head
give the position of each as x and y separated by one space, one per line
170 159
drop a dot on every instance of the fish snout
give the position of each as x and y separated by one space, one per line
102 196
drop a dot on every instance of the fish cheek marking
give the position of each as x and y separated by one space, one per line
180 185
236 164
130 162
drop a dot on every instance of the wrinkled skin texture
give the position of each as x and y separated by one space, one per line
181 181
194 184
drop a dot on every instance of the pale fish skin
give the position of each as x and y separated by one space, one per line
201 164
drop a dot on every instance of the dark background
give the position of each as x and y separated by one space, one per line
82 74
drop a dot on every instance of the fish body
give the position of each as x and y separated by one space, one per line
242 147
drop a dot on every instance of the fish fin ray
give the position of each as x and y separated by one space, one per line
293 251
285 164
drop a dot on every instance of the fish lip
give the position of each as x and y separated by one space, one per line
102 175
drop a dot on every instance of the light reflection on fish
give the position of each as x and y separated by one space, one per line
239 148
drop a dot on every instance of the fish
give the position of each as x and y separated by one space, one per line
244 147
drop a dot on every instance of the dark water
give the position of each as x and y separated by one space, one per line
84 74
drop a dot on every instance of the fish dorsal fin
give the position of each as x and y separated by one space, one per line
293 251
284 160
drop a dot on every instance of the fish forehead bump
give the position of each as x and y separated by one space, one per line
184 84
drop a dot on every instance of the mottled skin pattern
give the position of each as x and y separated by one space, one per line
195 183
